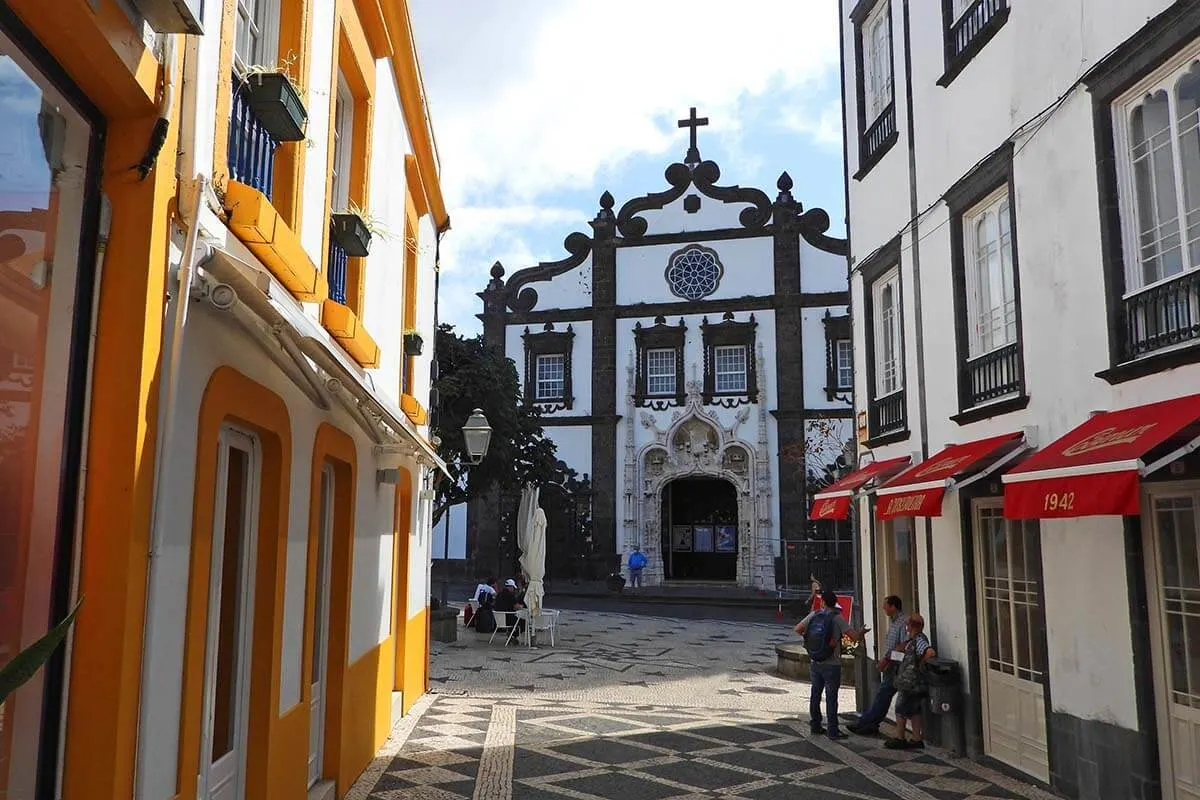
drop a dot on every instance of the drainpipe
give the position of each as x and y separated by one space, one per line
171 349
81 492
914 211
857 613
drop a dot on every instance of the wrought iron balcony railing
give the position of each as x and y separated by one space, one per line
992 375
877 136
337 272
1162 315
251 148
968 29
888 414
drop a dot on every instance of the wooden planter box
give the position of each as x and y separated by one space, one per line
351 234
277 104
792 662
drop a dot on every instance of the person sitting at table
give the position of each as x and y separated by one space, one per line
508 601
485 593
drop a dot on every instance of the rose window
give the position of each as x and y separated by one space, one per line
694 272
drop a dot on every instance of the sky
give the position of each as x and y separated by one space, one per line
539 106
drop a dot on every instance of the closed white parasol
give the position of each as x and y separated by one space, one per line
533 562
529 501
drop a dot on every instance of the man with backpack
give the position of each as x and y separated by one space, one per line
637 563
823 631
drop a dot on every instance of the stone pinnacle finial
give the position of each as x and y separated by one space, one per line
784 184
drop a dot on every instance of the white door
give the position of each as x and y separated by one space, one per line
1174 589
316 723
1008 579
230 620
897 559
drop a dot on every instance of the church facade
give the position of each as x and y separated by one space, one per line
691 358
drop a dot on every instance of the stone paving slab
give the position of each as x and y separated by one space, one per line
637 708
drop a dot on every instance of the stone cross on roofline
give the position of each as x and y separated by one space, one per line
693 122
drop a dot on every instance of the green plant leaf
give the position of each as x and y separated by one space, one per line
27 662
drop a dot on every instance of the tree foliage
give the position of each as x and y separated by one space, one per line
473 375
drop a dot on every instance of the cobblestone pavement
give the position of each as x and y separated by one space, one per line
643 708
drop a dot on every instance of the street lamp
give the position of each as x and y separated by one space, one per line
477 434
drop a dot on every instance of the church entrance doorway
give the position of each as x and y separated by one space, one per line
700 529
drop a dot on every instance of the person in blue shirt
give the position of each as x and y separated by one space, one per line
637 563
897 635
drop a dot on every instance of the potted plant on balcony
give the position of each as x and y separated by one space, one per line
352 229
274 98
413 343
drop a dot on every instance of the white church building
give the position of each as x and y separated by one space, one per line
691 357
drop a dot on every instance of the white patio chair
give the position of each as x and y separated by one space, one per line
546 621
506 621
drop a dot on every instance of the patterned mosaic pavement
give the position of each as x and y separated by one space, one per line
644 709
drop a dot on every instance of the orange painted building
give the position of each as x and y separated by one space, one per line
218 240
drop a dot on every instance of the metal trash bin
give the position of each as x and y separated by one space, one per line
945 685
944 677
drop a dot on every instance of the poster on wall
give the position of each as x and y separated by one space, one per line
681 538
703 538
726 538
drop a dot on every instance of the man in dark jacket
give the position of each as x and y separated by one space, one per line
507 601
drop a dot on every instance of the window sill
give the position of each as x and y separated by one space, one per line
887 438
1161 361
548 405
956 66
658 402
843 393
869 163
989 410
729 399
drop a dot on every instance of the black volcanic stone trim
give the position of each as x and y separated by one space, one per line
1101 761
675 309
1157 41
548 342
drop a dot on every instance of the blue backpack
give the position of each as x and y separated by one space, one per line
820 636
637 561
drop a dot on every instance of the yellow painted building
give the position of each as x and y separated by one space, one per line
219 226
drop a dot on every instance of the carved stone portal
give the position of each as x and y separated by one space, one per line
695 444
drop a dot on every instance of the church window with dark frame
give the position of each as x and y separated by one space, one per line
660 371
658 376
730 374
730 366
550 376
845 364
694 272
548 368
839 357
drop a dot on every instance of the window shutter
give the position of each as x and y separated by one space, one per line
883 63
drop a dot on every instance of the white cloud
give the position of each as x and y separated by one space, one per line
531 97
528 96
824 128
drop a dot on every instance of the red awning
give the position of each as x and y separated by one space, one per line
1096 469
833 502
918 491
